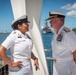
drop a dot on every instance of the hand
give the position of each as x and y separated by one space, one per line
16 64
36 64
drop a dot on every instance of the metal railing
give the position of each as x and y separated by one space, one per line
50 61
4 67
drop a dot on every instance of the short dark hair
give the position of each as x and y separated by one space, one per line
15 25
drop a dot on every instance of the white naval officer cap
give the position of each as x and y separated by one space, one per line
22 19
55 14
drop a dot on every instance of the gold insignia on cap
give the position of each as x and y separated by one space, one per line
54 16
19 21
66 29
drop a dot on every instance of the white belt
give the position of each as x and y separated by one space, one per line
22 59
64 60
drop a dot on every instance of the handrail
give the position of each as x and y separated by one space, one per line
47 50
2 63
50 58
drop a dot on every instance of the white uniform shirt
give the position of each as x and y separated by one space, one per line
62 50
20 46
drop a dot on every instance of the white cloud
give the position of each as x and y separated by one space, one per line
71 13
69 7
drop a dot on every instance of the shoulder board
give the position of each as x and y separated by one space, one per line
66 29
14 32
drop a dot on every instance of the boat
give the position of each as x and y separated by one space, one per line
45 28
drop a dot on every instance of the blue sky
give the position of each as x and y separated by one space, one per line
66 6
6 15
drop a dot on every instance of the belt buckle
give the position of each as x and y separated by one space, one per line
28 59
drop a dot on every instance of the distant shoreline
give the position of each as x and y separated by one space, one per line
4 32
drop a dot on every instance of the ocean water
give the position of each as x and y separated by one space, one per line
47 38
2 38
47 45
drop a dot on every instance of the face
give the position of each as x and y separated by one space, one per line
54 23
23 28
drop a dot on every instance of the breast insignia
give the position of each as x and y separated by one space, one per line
66 29
19 36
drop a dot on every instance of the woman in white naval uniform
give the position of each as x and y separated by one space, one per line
21 49
63 45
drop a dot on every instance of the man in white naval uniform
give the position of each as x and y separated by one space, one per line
21 49
63 45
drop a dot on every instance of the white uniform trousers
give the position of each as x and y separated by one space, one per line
54 70
66 68
21 72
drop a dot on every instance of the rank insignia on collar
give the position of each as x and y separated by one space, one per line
59 37
19 36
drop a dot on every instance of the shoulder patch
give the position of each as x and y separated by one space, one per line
66 29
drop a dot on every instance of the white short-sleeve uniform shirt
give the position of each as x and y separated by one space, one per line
63 44
20 46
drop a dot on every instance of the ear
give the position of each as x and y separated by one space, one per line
19 26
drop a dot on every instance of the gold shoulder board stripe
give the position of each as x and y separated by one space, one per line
66 29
